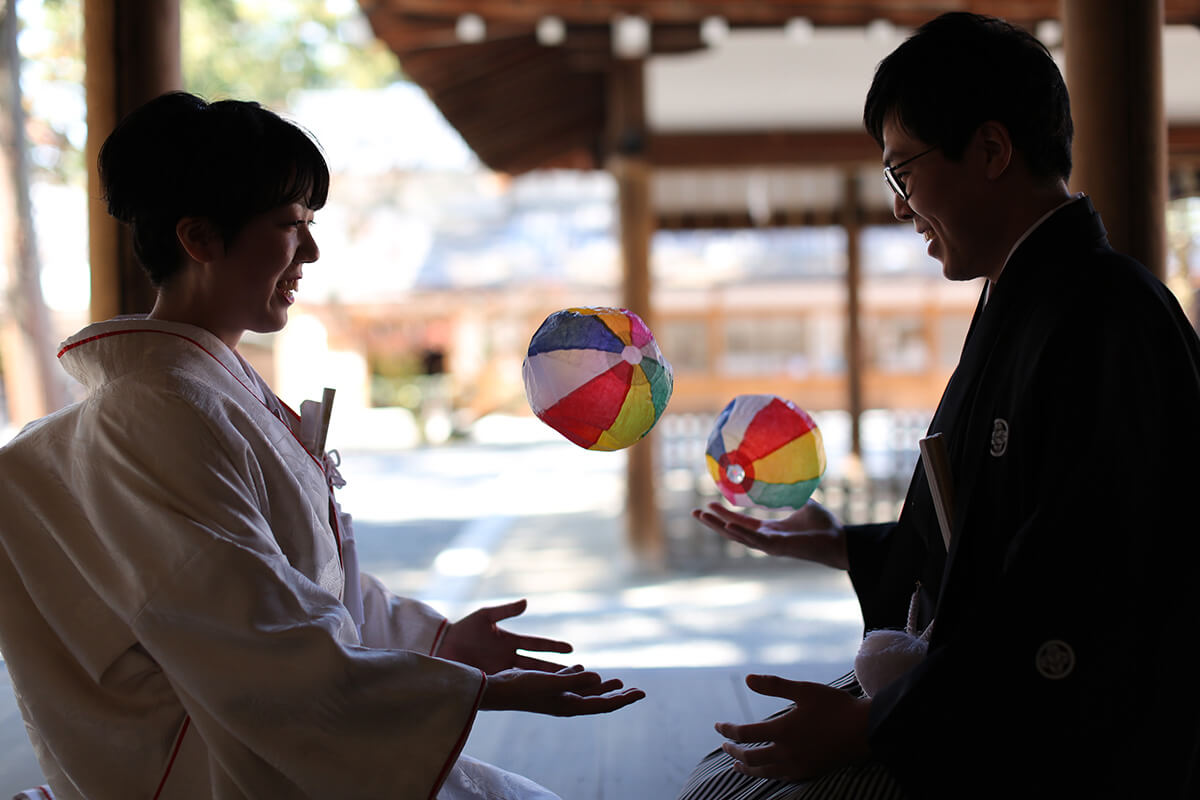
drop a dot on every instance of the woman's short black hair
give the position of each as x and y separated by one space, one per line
961 70
179 156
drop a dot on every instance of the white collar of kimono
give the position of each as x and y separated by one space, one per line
1031 229
230 359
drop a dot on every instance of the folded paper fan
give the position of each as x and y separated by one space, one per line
596 376
765 451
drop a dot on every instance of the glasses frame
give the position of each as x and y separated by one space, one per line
895 181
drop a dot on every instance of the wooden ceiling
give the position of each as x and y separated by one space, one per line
521 105
906 13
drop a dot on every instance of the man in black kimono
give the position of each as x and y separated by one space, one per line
1065 606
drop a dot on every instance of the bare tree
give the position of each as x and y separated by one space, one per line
33 382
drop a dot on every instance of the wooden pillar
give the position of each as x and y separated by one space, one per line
851 221
132 56
1114 73
628 164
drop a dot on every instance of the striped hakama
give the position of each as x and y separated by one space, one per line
715 779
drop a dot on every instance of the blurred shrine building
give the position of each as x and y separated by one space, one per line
702 163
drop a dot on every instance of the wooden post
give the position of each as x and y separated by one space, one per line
628 164
132 56
854 363
1114 73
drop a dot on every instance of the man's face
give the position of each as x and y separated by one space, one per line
947 203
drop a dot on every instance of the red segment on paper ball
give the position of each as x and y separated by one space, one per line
596 376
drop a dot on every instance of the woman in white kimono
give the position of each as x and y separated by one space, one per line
174 607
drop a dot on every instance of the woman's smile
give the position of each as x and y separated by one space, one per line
286 288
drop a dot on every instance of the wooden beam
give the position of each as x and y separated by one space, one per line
744 148
825 147
1183 142
779 218
406 35
906 13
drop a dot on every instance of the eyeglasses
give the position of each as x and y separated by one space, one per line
895 181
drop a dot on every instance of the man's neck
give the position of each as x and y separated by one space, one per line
1042 201
1025 211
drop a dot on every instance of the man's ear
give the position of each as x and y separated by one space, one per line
200 239
997 147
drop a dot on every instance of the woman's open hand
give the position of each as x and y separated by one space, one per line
572 691
477 640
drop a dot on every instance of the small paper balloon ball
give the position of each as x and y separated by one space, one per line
765 451
596 376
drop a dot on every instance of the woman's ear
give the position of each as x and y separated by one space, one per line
200 239
997 147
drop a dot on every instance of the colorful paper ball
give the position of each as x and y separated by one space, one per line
596 376
765 451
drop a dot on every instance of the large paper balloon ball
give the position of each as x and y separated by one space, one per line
596 376
765 451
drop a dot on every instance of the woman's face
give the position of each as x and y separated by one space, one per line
254 282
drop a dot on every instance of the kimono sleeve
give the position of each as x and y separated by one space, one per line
399 623
265 662
881 572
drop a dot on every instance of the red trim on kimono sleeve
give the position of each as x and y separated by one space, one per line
174 754
437 637
462 740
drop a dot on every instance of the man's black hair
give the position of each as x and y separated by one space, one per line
961 70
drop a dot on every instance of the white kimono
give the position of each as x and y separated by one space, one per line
171 599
